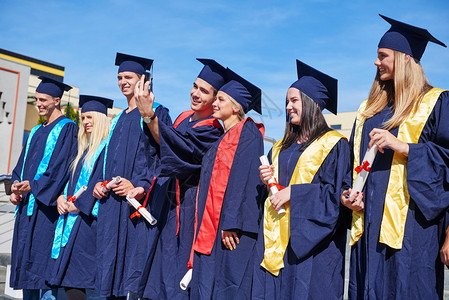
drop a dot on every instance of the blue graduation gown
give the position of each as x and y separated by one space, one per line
33 235
130 155
314 258
182 150
76 264
415 271
142 237
226 274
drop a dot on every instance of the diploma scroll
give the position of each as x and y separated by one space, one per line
106 185
271 182
363 170
77 194
185 281
142 210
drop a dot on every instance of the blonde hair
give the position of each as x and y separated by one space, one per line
100 130
405 91
241 114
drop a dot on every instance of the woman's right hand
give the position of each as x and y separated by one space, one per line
62 206
98 191
354 202
265 173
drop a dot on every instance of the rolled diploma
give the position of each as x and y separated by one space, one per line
184 283
273 189
110 183
80 191
363 175
142 210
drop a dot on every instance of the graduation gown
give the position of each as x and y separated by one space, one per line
314 258
130 154
142 237
182 149
33 235
226 274
415 271
76 263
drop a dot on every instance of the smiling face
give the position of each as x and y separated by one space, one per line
202 96
294 105
87 121
385 63
127 82
223 108
46 104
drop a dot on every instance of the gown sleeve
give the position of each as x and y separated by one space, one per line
428 163
315 207
181 154
49 186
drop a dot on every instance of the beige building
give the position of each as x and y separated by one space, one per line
342 122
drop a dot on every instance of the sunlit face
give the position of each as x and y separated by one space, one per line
385 63
223 108
87 121
201 96
127 81
294 105
46 104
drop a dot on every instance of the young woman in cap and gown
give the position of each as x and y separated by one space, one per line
228 203
130 154
397 222
41 173
300 254
74 244
183 146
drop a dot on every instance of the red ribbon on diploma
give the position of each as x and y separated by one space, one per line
276 184
364 166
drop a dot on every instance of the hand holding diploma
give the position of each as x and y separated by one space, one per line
20 188
108 184
273 185
141 210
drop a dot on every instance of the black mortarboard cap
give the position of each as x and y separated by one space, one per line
130 63
52 87
406 38
94 103
320 87
213 73
244 92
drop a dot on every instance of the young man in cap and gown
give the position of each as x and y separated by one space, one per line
183 146
132 155
39 177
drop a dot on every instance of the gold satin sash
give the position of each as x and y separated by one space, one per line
397 197
276 227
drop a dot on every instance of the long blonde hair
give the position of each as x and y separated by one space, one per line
100 130
405 91
241 114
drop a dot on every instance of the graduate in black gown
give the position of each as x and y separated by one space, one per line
397 227
228 206
300 254
39 178
74 245
183 146
130 154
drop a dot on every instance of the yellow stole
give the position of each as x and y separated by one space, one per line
276 228
397 197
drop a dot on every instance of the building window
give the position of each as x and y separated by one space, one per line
336 126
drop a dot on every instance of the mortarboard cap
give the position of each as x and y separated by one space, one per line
406 38
320 87
130 63
94 103
245 93
213 73
52 87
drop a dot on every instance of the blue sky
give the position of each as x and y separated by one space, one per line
260 40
